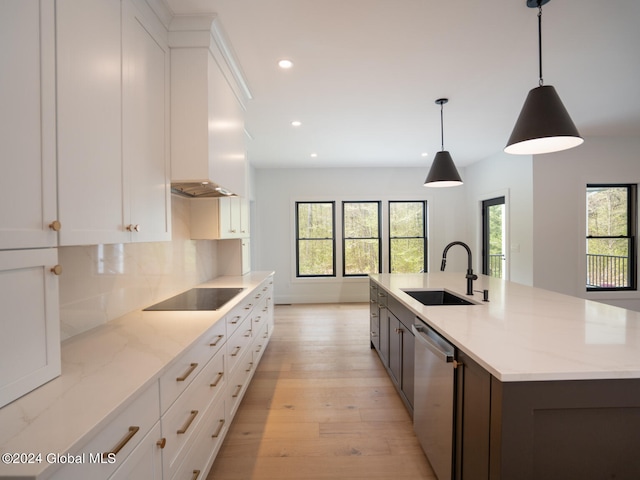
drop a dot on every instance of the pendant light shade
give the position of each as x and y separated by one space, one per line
443 172
544 125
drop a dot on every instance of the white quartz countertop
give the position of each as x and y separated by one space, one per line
525 333
102 369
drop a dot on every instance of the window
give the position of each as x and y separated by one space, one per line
407 240
361 237
493 237
611 227
315 239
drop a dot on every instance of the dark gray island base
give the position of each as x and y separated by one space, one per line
520 430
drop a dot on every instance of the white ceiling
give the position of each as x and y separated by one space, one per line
367 73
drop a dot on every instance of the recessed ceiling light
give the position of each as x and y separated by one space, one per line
286 64
314 155
296 123
424 154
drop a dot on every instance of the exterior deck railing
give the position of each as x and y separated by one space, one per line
496 260
607 271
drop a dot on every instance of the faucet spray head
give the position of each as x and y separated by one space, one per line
443 264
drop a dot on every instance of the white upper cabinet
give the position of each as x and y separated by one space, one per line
146 126
112 124
27 124
219 218
208 95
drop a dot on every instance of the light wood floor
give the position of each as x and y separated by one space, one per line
321 406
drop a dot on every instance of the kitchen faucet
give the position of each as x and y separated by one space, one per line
470 275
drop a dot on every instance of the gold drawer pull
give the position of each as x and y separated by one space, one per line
249 306
257 319
196 474
187 424
237 350
219 429
215 344
237 392
120 445
217 380
250 367
259 348
247 333
162 442
189 371
235 320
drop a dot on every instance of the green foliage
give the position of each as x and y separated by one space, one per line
607 215
406 229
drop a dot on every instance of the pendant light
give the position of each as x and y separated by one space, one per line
443 172
544 125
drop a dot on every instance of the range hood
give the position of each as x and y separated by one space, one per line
200 189
208 104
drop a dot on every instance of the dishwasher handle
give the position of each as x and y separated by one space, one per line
434 342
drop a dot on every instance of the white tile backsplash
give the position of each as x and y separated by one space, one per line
103 282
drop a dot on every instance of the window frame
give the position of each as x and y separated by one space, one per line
345 238
424 232
632 221
332 238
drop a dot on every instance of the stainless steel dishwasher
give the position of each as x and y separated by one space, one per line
433 404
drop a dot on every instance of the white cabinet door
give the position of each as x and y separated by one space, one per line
90 168
145 462
27 124
145 127
29 321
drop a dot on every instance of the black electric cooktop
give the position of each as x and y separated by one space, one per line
197 299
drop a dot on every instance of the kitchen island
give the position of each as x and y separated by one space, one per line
148 395
550 386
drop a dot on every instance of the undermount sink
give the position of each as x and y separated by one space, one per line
437 297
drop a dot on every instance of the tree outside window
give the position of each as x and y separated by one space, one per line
315 242
407 242
361 239
611 220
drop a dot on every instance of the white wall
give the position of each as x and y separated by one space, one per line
559 217
510 176
277 190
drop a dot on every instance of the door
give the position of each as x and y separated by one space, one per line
493 237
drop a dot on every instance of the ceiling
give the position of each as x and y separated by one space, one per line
367 73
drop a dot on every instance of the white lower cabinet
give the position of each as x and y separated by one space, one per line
30 324
175 427
107 450
145 461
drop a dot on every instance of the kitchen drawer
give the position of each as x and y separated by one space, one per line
206 445
185 368
238 344
188 412
119 437
238 314
238 383
260 343
260 314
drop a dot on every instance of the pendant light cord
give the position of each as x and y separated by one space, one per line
541 81
441 127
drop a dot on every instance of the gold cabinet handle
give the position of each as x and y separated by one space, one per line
399 330
55 226
189 371
215 344
259 348
235 320
57 270
120 445
187 424
237 350
216 434
162 442
237 392
250 367
249 306
247 334
217 380
196 474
